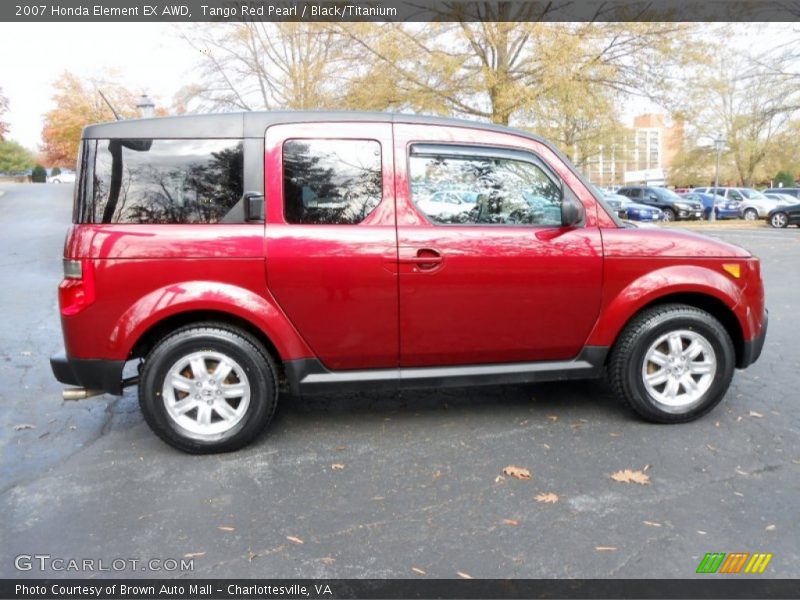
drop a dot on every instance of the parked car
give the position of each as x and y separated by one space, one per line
754 205
180 278
780 197
723 208
63 177
789 191
785 215
449 203
633 211
673 206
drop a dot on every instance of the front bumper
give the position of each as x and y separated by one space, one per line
89 373
752 348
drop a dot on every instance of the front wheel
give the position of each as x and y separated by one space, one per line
669 214
751 214
672 363
779 220
208 388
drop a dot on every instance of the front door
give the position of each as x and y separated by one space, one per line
331 250
492 277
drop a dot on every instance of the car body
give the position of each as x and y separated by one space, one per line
754 205
786 198
247 251
64 176
671 204
723 208
633 211
789 191
784 215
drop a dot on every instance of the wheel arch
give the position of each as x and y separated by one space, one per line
706 302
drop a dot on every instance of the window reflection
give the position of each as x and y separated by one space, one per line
163 181
334 182
491 191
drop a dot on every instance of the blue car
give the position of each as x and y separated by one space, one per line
633 211
723 208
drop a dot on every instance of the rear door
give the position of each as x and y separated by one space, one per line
331 246
499 280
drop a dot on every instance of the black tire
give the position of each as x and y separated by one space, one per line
249 354
750 214
779 220
669 214
627 361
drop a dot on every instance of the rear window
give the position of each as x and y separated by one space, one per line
160 181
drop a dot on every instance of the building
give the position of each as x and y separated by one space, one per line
643 155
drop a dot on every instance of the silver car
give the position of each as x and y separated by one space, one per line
752 203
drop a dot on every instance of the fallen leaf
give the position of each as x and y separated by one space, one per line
499 479
770 527
328 560
378 498
194 554
437 474
738 419
547 498
614 434
652 523
511 522
251 555
740 472
22 426
710 447
629 476
605 548
553 418
796 461
738 494
517 472
74 427
294 539
645 468
418 571
340 448
716 424
464 575
226 528
701 532
337 467
546 446
756 414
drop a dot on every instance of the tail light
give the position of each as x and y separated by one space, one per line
76 291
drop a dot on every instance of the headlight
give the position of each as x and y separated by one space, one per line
683 205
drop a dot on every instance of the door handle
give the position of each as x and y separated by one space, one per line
425 259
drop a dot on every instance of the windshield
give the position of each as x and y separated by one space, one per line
752 194
665 193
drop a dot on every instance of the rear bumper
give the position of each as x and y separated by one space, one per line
752 348
89 373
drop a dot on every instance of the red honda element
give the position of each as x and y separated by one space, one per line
229 255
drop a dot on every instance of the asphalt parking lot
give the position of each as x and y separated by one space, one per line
417 490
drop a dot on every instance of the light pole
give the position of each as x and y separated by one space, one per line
146 107
719 144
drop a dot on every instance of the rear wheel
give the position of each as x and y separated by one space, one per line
208 388
672 363
751 214
669 214
779 220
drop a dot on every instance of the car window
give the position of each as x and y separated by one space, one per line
331 182
735 195
160 181
752 194
505 191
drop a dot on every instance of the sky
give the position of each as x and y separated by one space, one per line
148 57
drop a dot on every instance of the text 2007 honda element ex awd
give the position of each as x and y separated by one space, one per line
234 254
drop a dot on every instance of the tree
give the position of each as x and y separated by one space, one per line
504 67
14 159
751 106
77 104
784 179
3 111
261 66
39 174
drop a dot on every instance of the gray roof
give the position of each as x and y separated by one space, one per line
254 124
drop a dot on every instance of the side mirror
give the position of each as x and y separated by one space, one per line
253 207
572 212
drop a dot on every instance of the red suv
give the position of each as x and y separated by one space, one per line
229 255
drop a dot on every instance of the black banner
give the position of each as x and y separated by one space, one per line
252 589
398 10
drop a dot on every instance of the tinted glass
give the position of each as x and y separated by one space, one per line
332 182
490 191
161 181
666 194
752 194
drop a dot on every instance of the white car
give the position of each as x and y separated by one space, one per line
63 177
